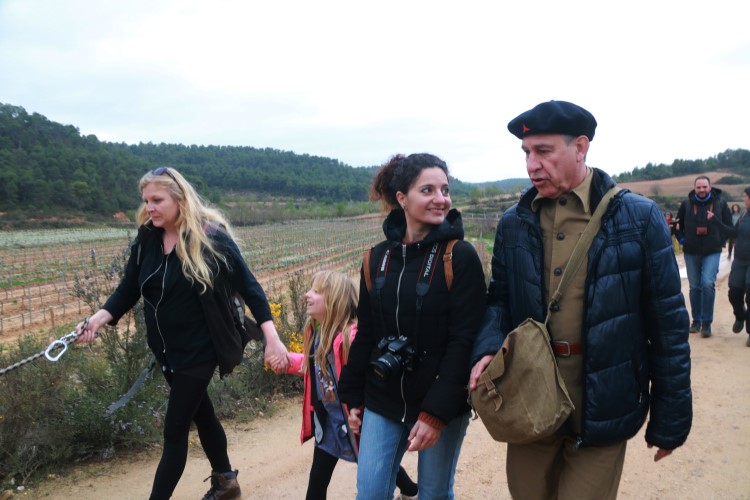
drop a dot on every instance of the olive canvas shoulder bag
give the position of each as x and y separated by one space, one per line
521 396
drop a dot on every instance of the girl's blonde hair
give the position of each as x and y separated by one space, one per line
199 257
340 297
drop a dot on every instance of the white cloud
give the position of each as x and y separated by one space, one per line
359 82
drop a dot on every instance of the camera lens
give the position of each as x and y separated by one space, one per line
386 366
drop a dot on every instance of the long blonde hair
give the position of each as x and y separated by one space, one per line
193 247
340 299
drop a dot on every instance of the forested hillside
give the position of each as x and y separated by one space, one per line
735 162
48 168
235 168
45 165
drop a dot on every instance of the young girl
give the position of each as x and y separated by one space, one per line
328 334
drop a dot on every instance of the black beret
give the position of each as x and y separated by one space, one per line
554 117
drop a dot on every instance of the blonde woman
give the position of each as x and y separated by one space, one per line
328 334
184 262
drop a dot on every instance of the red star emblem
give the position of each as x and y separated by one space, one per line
524 128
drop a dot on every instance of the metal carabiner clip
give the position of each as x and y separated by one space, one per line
54 345
62 342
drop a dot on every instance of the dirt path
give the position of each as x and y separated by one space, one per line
713 464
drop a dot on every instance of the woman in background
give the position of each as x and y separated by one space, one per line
735 217
739 275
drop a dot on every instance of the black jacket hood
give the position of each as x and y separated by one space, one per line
452 227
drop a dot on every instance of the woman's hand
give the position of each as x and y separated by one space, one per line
422 436
275 354
96 321
355 422
477 371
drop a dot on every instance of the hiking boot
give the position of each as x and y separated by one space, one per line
224 486
695 327
737 326
706 330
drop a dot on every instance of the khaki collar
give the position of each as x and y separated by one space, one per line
581 191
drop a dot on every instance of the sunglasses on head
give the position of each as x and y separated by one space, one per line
162 171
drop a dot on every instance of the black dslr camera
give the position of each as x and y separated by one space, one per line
396 355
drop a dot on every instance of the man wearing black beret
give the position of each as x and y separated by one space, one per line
620 330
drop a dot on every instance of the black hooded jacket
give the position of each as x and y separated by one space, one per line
447 324
184 326
693 213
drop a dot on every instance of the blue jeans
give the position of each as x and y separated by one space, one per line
383 444
702 271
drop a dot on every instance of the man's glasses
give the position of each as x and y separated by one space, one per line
162 171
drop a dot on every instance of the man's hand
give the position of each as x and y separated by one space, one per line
477 371
660 453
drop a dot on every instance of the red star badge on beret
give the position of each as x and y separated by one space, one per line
524 128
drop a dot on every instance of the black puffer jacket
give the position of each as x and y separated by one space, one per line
447 325
693 212
635 333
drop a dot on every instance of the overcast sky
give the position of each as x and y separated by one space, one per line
359 81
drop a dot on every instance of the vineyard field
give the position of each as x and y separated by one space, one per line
38 269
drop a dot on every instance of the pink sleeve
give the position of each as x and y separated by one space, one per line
296 362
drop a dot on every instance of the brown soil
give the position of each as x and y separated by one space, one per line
713 464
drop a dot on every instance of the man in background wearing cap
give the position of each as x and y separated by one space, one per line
620 333
702 243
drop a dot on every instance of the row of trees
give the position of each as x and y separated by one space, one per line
51 169
46 166
734 161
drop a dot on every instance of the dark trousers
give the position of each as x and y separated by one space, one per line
188 402
739 291
740 300
320 474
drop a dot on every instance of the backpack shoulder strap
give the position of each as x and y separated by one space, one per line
448 262
366 267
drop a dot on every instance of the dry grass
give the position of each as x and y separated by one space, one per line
681 186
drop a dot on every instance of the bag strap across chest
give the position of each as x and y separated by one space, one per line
447 264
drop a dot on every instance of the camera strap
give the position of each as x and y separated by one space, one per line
380 282
424 279
423 286
710 208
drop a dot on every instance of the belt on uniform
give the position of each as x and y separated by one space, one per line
565 349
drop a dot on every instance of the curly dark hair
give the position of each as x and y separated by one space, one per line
399 174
